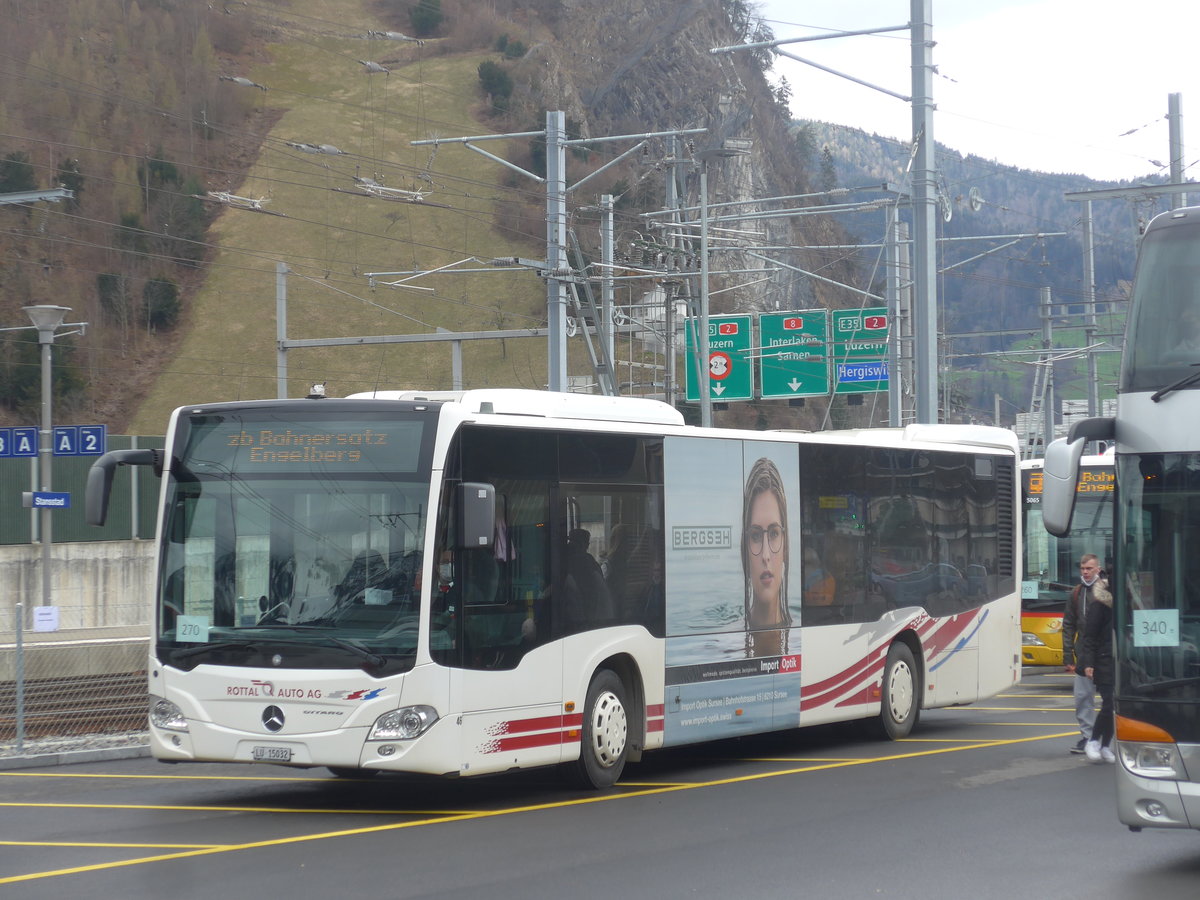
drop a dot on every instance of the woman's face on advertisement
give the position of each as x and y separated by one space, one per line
765 536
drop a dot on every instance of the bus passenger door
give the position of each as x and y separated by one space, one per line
507 675
511 717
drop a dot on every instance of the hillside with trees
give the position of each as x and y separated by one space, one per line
123 105
206 146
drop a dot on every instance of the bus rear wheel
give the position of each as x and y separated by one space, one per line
900 702
604 744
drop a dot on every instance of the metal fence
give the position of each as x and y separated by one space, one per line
73 695
73 674
131 512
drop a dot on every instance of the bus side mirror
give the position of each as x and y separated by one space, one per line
1060 474
476 515
100 478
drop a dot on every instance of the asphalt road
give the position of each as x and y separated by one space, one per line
982 802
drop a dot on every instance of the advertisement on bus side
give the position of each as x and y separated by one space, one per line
733 637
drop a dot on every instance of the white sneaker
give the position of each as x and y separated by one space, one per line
1092 751
1107 755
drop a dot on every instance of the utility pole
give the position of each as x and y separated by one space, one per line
892 292
557 270
607 297
924 212
673 203
1089 295
281 366
1175 136
1048 356
701 342
924 178
556 247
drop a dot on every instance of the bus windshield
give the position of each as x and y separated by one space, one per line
294 538
1052 563
1163 346
1158 615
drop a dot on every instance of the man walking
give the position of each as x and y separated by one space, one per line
1074 619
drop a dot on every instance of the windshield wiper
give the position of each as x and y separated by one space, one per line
205 648
373 658
1181 383
1164 687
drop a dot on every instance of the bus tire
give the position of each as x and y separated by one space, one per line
604 735
900 700
351 772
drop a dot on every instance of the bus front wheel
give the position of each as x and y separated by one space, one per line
605 732
900 702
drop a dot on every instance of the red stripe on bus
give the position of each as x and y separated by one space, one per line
525 741
655 714
852 671
542 723
866 695
863 681
948 631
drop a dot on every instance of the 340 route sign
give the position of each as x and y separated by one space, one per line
794 357
729 372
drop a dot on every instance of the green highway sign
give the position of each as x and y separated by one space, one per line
730 374
793 357
860 350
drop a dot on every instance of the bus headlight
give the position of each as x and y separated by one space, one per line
165 714
1152 760
1029 639
403 724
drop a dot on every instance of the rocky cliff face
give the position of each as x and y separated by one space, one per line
637 66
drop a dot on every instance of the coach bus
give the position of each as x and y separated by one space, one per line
1051 564
1156 585
474 582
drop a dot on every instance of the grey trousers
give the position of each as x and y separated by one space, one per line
1085 705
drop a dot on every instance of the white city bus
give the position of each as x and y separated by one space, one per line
466 583
1051 564
1155 580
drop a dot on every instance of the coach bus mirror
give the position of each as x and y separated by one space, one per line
1060 474
100 478
476 515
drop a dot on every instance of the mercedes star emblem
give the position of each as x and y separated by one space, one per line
272 718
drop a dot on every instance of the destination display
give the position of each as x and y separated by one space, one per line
278 444
1092 480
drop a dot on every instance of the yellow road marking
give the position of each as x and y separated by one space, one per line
973 708
23 774
113 845
254 809
483 814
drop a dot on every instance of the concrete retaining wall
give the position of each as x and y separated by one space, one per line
102 585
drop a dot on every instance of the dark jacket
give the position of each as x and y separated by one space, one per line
1079 604
1097 636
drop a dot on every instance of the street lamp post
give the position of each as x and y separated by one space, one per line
46 319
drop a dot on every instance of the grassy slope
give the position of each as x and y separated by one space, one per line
329 239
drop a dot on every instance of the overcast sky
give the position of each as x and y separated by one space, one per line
1051 85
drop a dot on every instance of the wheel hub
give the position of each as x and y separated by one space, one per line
900 693
610 729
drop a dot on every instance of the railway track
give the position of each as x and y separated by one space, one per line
77 705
